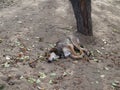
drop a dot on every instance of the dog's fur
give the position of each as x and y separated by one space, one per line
68 47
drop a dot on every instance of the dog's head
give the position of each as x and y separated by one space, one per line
51 55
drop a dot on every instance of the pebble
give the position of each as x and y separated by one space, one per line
20 22
7 57
102 76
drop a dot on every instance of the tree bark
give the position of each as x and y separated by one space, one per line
82 11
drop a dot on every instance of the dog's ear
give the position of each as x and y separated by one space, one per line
46 55
53 50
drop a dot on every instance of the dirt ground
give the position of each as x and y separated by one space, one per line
28 27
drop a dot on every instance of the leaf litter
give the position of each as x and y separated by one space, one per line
42 75
6 64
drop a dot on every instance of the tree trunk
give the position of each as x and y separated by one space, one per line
82 11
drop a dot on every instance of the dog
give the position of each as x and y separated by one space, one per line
68 47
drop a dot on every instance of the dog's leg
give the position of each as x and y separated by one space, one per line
74 54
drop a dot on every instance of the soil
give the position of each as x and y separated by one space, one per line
29 27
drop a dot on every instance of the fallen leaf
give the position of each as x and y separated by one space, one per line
117 82
65 74
26 57
51 45
92 53
17 43
40 88
98 51
51 82
31 80
38 81
6 64
114 84
95 60
116 31
41 57
106 68
23 58
53 74
42 75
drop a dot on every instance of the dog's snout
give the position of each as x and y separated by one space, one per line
49 61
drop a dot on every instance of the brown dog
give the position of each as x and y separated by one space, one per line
68 47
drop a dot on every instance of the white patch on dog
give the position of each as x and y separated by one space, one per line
66 52
53 56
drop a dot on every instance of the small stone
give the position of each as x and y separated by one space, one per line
16 16
33 46
102 48
106 68
7 57
102 76
96 82
20 22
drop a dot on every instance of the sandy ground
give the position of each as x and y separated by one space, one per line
28 27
